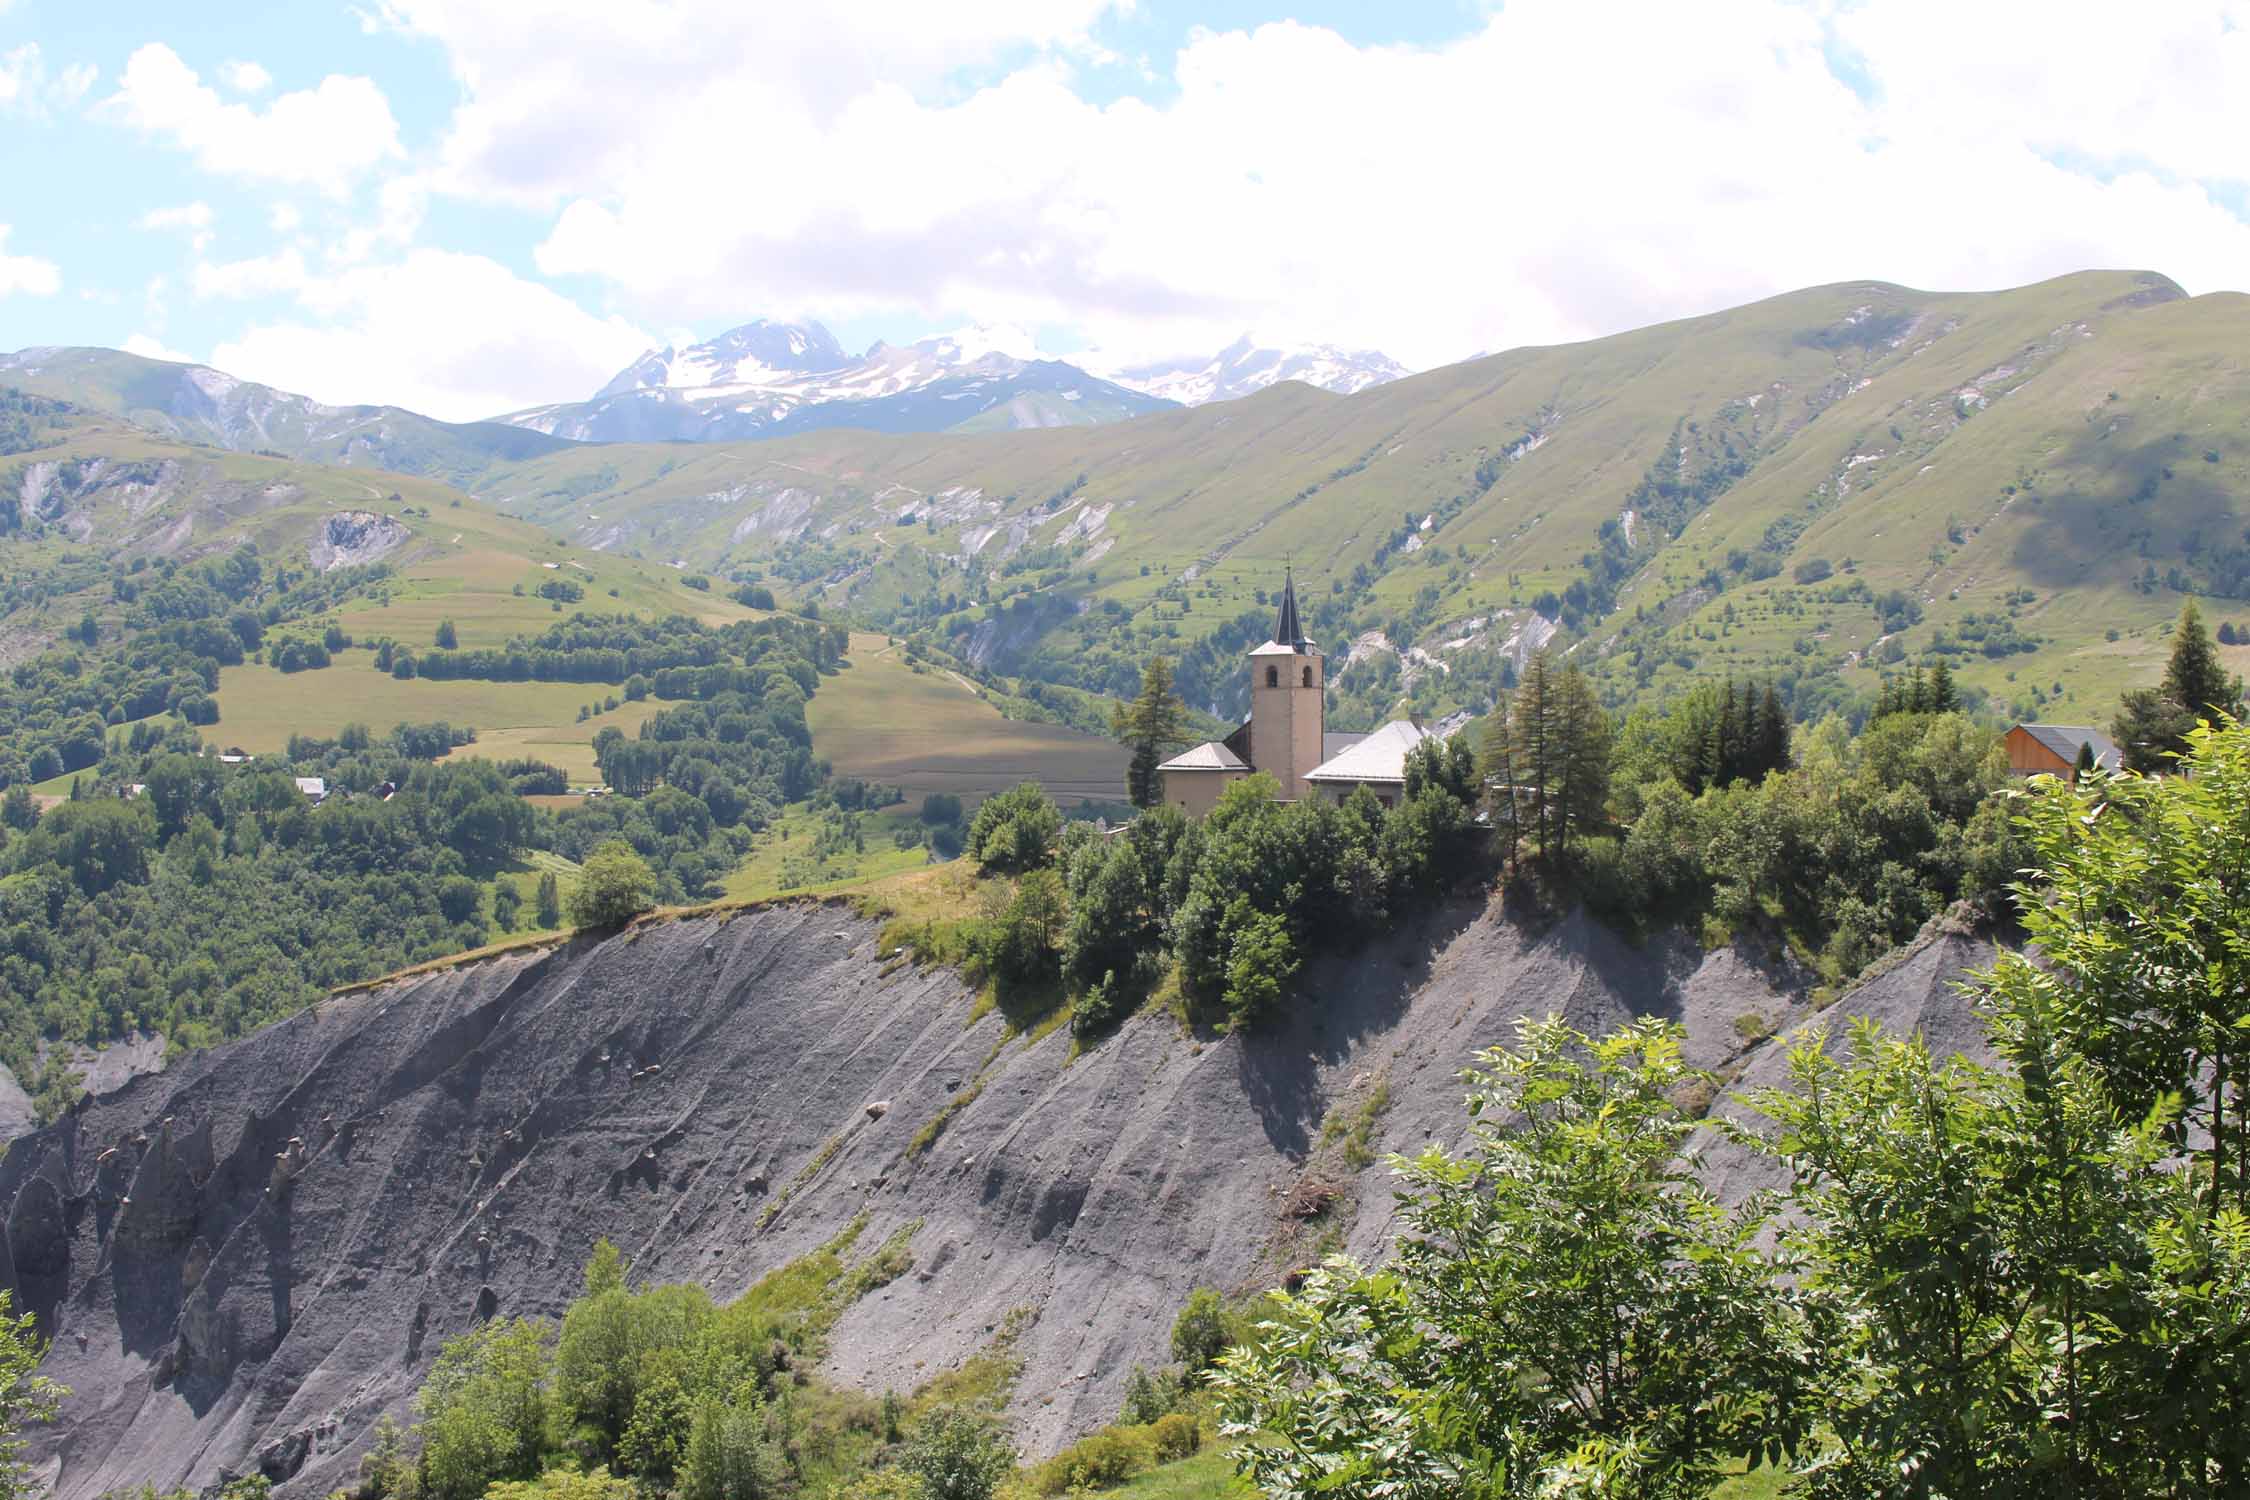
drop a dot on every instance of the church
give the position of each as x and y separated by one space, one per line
1287 735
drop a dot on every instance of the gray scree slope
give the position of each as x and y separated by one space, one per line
249 1258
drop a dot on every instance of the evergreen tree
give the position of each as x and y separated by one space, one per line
1944 697
2152 724
1496 765
2193 678
2085 761
1531 743
550 901
1152 724
1772 734
447 637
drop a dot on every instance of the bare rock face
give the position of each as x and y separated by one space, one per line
248 1259
352 537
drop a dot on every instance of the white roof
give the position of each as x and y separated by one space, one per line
1381 756
312 786
1208 756
1275 648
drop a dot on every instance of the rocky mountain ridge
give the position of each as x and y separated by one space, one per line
245 1260
1247 366
198 404
767 379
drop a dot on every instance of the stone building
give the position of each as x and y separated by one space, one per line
1287 735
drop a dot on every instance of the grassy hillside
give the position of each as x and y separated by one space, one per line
102 491
1817 486
202 405
931 730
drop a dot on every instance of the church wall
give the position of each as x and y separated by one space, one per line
1197 792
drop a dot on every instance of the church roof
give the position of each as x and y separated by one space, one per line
1208 756
1286 630
1380 756
1289 638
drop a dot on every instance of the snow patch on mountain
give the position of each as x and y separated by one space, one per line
1246 366
767 379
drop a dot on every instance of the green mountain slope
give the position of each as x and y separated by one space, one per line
201 405
1813 486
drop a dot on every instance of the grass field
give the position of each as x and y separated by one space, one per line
787 846
260 707
930 732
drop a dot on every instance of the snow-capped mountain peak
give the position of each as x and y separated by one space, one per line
755 354
764 379
1248 365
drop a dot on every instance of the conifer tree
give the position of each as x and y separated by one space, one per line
2193 677
1944 697
1151 724
2152 723
1773 733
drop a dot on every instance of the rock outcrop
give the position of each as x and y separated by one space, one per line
247 1259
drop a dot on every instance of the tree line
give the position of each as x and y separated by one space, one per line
2029 1279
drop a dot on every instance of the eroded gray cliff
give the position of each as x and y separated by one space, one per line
249 1258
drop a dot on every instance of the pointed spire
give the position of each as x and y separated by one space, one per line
1286 630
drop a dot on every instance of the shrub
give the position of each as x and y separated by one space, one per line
1014 831
1096 1461
956 1455
614 886
1175 1435
1199 1334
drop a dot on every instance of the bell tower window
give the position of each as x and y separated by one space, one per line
1273 677
1308 677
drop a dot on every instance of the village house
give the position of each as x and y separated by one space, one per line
1287 734
2053 750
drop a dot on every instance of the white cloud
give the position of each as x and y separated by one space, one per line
456 336
1564 171
245 77
25 88
324 137
149 348
285 219
28 274
257 276
194 217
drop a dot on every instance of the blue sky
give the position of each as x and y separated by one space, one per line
434 203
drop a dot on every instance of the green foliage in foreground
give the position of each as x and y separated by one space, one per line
1990 1282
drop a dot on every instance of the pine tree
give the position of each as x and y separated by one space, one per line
1496 765
2152 724
2193 678
1531 738
1773 734
1590 738
550 901
1152 724
1944 697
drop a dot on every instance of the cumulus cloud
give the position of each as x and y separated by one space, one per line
1562 171
456 336
150 348
27 90
255 276
194 218
27 274
325 137
245 77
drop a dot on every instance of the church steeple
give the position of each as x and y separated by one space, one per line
1286 630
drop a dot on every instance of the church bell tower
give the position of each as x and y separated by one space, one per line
1288 698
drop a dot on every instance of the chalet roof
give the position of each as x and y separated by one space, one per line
312 786
1380 756
2064 739
1208 756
